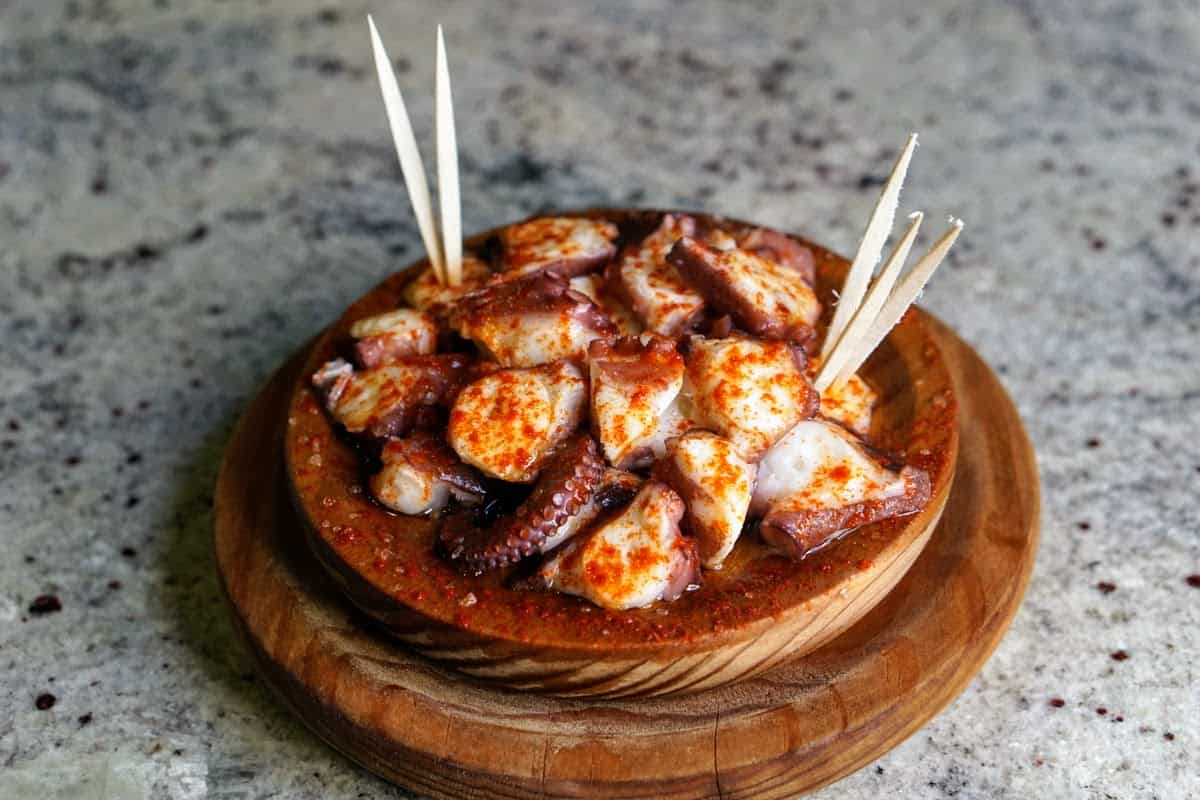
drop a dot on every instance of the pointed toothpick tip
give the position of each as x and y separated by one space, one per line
449 191
376 42
870 248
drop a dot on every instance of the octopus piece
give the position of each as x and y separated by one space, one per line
850 402
420 474
720 328
821 481
388 337
677 419
565 488
426 293
749 391
595 289
633 383
663 301
783 250
331 379
763 297
532 321
716 485
507 422
617 487
630 561
718 238
393 399
568 245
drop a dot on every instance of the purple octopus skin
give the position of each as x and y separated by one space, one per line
781 249
567 482
766 298
531 321
541 292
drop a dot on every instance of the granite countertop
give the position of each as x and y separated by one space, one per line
189 190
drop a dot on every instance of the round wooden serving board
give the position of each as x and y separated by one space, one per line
796 727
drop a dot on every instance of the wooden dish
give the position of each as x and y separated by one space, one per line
757 612
788 730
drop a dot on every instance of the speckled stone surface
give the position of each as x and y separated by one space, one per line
188 190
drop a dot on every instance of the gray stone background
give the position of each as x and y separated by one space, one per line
188 190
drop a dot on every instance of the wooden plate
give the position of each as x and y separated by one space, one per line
794 728
758 611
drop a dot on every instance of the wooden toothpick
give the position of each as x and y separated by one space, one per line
900 300
406 150
877 295
447 167
869 250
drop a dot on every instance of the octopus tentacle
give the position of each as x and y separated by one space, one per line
566 484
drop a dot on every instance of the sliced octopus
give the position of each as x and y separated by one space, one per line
851 403
532 321
634 559
394 335
331 379
614 491
426 293
783 250
633 383
421 474
821 480
661 299
751 392
506 423
596 289
567 245
392 400
761 295
715 484
565 487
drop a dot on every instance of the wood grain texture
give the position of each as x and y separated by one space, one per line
756 612
794 728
